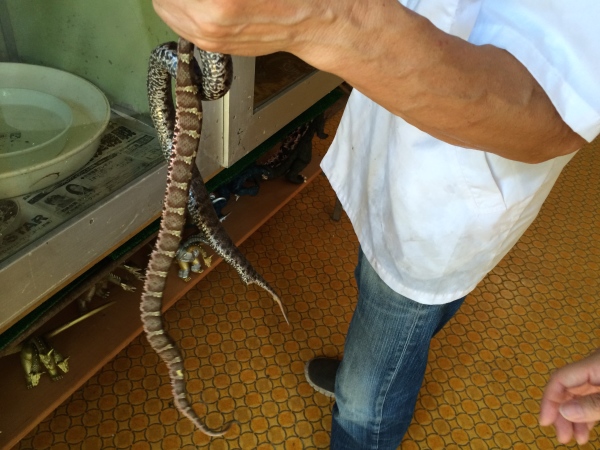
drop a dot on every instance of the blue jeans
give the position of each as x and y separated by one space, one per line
383 365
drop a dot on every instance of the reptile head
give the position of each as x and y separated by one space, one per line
64 365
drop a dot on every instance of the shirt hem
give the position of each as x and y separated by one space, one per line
413 294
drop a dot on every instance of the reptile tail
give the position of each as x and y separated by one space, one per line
216 80
188 124
204 216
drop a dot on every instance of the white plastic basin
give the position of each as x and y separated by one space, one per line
90 114
33 127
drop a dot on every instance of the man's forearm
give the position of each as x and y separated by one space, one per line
477 97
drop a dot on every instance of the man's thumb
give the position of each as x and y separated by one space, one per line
582 409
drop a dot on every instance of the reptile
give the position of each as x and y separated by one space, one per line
295 151
188 256
207 78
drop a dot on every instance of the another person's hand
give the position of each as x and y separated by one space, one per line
571 400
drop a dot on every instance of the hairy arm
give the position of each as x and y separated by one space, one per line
477 97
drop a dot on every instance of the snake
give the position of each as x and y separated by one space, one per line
288 145
207 77
295 151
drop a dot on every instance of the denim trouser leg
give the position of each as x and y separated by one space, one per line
384 363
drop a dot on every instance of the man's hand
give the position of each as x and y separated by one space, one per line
241 27
571 400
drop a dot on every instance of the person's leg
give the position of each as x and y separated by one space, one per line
383 365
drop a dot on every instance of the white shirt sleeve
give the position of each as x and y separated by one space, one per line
559 43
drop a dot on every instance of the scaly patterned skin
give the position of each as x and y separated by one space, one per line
287 146
162 66
216 77
292 155
185 188
204 216
188 123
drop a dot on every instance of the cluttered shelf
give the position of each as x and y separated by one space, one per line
96 341
68 226
96 201
110 325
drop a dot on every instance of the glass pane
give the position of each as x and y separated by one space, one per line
276 72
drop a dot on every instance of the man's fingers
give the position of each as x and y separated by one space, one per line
548 412
582 409
581 433
564 430
555 394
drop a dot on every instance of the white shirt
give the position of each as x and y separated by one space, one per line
433 219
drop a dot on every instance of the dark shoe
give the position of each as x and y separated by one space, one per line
320 374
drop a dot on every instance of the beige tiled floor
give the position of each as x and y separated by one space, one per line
536 311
